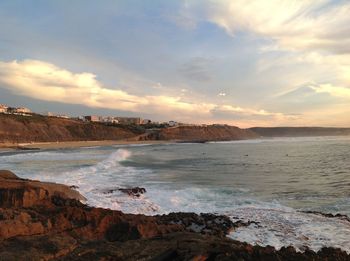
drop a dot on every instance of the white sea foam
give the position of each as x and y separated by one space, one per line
283 228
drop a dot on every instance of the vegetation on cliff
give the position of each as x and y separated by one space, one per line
21 129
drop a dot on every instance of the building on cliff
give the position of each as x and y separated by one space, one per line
3 108
110 119
120 120
22 110
18 111
172 123
92 118
146 121
129 120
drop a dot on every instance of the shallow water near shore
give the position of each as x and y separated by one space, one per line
269 181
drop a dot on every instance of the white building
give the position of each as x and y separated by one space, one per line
22 110
172 123
3 108
146 121
110 119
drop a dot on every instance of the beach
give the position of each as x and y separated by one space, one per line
76 144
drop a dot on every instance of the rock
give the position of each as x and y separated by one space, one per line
25 148
204 223
6 174
17 192
329 215
134 192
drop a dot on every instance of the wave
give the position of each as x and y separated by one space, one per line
114 159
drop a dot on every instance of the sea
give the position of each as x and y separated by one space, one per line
275 182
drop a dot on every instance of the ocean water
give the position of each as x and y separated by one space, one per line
270 181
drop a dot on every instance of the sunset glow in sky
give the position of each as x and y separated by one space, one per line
245 63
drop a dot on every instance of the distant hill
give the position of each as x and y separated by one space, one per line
201 133
299 131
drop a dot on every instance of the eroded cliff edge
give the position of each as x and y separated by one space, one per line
37 128
46 221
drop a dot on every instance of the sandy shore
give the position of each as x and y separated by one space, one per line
76 144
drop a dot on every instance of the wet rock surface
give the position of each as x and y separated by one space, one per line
205 223
43 221
133 192
329 215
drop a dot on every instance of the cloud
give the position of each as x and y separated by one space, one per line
197 69
335 91
294 25
45 81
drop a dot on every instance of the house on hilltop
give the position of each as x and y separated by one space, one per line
146 121
19 111
110 119
3 108
129 120
22 110
92 118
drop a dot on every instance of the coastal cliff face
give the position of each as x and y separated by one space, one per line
21 129
16 129
203 133
46 221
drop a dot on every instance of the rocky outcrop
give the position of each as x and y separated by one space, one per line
46 221
134 192
329 215
17 192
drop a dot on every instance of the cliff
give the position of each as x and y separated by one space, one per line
45 221
201 133
22 129
299 131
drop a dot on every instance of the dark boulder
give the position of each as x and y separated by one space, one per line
134 192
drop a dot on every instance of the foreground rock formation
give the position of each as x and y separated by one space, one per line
46 221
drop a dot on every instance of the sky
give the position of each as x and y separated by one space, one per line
243 63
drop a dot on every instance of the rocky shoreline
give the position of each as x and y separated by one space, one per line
47 221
